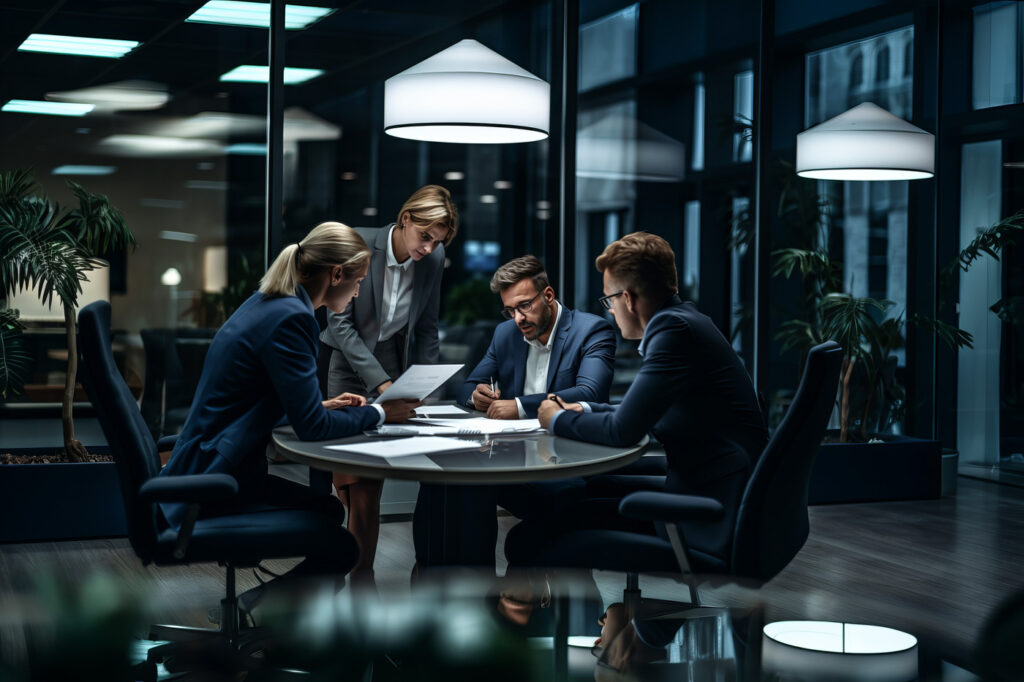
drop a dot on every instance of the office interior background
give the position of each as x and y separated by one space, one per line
660 122
678 118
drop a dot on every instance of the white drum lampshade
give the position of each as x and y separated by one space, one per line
865 143
838 652
468 94
619 147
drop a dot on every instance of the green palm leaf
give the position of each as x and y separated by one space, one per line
14 360
96 224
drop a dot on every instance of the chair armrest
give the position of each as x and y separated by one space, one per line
670 507
620 485
166 443
192 488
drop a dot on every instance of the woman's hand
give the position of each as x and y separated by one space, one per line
344 400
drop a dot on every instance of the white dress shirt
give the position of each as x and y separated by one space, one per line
538 359
397 292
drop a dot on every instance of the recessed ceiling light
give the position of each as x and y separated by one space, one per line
144 146
488 199
454 175
369 211
134 95
256 14
83 170
86 47
247 149
502 184
30 106
175 236
215 185
348 175
249 73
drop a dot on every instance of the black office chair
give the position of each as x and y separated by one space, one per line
239 540
771 523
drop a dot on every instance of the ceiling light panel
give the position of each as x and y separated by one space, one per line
256 14
77 45
30 106
71 169
249 73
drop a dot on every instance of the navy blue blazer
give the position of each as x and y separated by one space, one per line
582 361
695 396
261 366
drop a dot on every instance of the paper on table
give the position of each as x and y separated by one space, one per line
407 446
483 425
439 410
413 430
417 382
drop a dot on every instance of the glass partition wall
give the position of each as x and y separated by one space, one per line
159 108
656 111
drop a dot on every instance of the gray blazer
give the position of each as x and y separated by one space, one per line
354 332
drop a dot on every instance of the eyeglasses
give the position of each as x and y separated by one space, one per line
524 308
606 301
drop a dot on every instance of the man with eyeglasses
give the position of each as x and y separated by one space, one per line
692 393
544 347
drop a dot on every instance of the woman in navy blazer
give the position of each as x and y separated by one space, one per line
261 367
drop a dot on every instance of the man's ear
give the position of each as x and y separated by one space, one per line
630 301
549 294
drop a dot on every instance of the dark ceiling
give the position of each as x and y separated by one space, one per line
360 41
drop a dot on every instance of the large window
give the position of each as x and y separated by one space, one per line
172 131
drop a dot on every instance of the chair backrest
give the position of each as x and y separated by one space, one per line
131 444
772 525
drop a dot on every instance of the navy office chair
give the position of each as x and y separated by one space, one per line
238 540
771 523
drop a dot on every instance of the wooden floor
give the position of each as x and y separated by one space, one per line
934 568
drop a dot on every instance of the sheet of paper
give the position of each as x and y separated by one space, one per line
483 425
412 430
439 411
419 381
403 447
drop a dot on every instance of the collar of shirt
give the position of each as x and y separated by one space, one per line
391 259
554 330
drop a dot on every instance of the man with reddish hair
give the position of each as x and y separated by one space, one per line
692 393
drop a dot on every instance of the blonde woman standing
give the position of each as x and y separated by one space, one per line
393 325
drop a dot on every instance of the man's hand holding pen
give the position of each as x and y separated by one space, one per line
554 404
485 394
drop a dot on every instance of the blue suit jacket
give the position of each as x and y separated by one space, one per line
582 360
695 396
261 366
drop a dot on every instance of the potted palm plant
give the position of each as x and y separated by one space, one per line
871 398
49 250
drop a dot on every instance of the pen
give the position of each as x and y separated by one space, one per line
558 401
494 388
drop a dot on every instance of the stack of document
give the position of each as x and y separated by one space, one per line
483 425
407 446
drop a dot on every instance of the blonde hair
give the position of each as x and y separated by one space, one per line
642 262
327 245
431 205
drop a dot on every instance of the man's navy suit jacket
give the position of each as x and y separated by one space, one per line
582 361
261 367
695 396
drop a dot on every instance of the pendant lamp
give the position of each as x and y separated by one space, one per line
467 93
865 143
837 652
